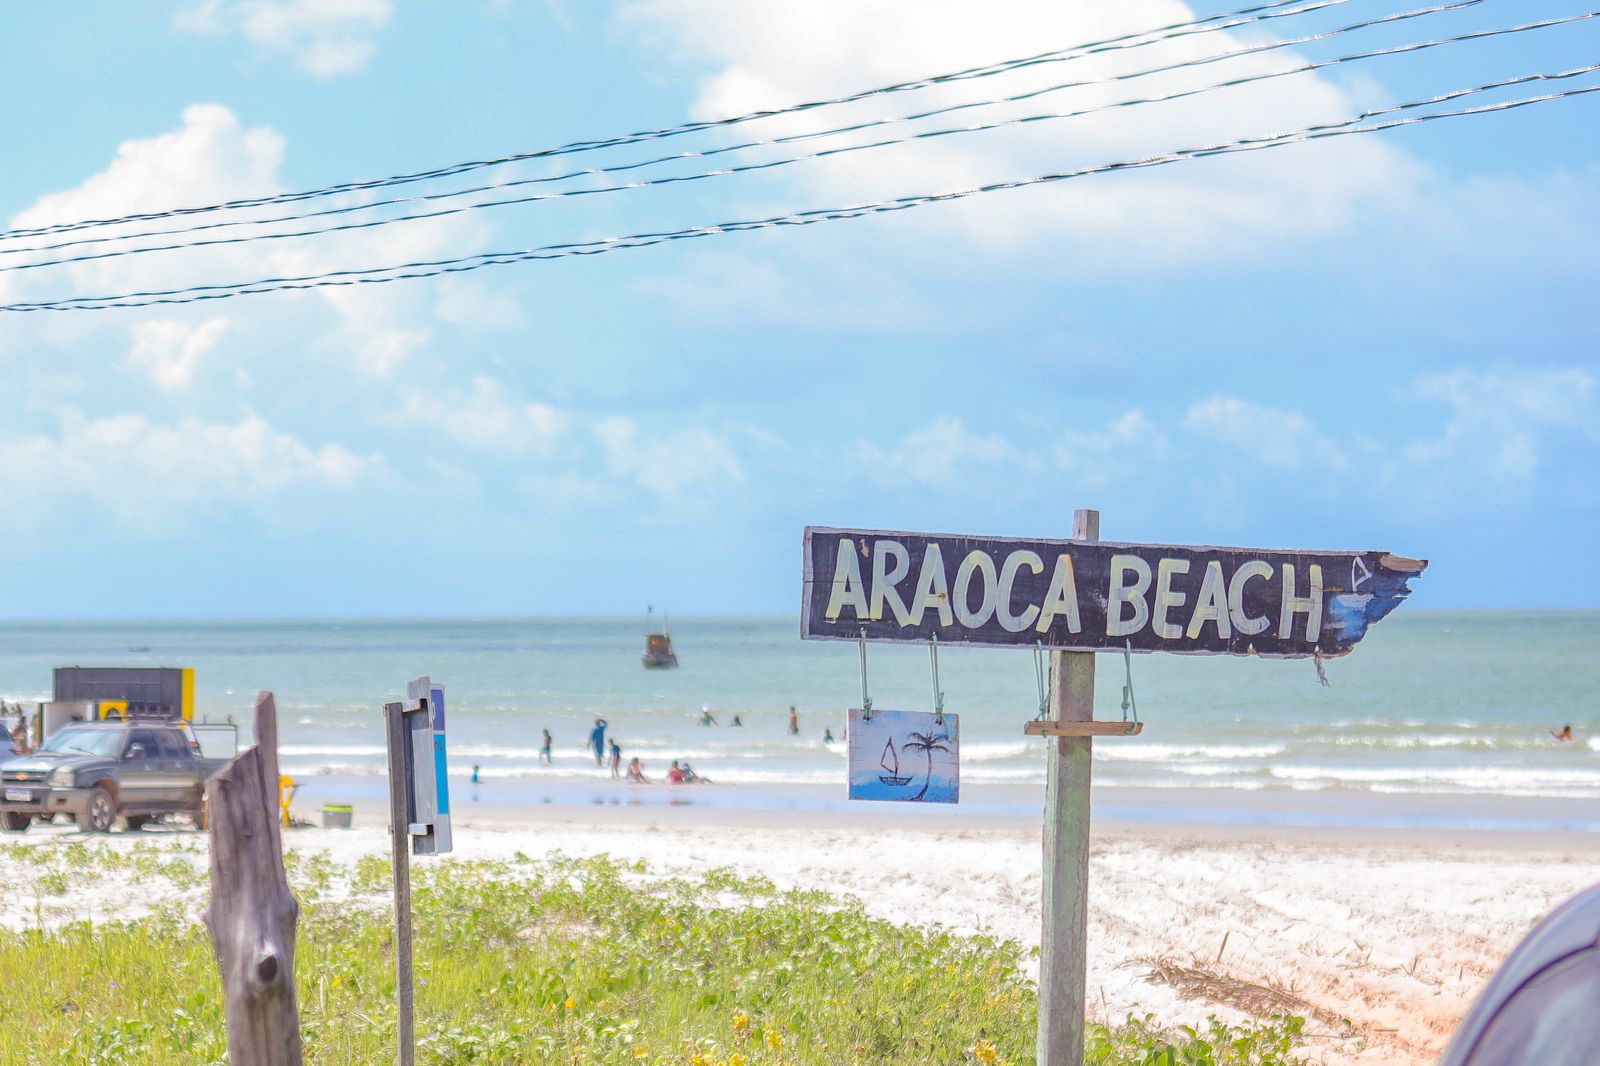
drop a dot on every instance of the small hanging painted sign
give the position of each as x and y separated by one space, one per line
1095 595
905 756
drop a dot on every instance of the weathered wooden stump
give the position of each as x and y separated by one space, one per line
252 916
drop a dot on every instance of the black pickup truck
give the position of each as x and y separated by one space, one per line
139 769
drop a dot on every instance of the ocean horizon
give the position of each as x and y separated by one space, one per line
1432 703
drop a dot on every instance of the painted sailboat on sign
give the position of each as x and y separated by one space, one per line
905 756
891 763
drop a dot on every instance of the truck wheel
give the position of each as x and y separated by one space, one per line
98 813
17 821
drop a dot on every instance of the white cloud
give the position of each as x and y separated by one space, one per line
669 463
170 351
322 37
735 289
475 306
940 453
1265 436
210 156
213 157
488 420
767 53
139 470
1498 423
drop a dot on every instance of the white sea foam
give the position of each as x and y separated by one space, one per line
1171 752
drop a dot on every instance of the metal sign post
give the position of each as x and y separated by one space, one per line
419 822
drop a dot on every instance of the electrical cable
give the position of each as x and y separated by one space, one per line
1405 49
434 268
1243 17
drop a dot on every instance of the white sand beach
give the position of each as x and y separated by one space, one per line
1395 931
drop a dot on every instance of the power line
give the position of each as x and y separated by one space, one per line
1473 36
1210 24
434 268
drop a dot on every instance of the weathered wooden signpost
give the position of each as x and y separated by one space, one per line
419 822
1074 598
252 915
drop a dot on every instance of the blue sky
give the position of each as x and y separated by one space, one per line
1372 342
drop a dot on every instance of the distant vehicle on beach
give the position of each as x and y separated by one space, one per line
658 653
139 769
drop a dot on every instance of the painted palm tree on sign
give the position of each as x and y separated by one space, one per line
927 743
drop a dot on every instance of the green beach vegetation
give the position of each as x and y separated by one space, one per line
552 960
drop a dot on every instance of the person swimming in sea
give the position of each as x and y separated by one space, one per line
827 736
706 716
736 721
1565 734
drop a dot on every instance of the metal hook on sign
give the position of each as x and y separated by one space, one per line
1129 703
938 693
866 700
1039 676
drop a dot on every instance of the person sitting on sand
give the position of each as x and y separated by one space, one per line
674 775
705 715
636 773
1565 734
692 778
545 750
827 736
616 758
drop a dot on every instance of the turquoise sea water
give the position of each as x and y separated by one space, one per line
1429 703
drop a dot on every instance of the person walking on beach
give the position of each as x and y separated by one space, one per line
794 722
616 758
597 741
1565 735
545 748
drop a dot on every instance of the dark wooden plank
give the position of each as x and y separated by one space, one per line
1095 596
252 916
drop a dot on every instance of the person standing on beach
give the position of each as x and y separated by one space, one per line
616 758
597 741
794 722
545 750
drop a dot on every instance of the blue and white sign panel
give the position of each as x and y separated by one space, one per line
429 782
905 756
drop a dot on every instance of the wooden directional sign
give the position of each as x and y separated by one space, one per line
1095 596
